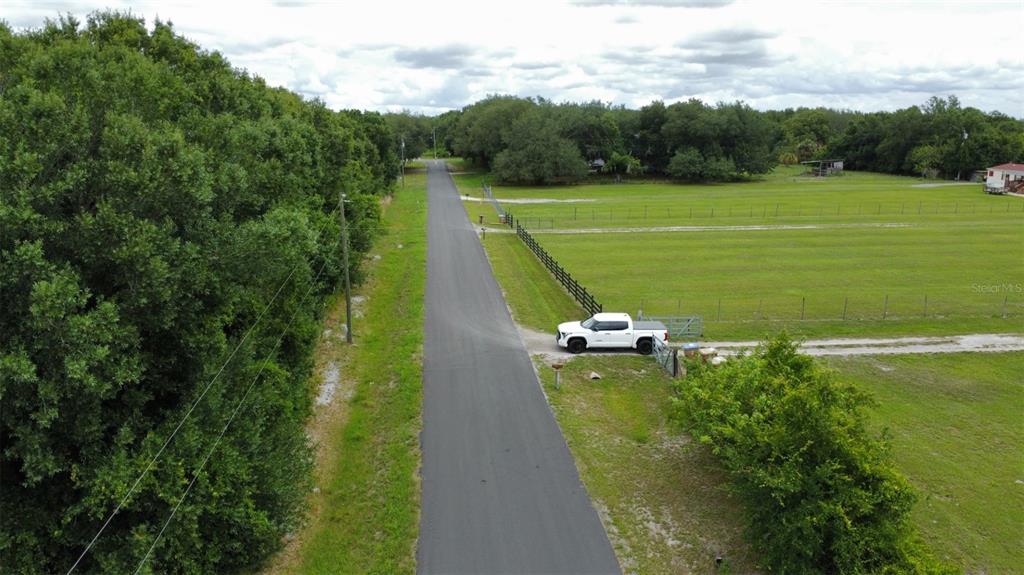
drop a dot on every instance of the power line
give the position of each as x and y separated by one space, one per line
192 408
220 436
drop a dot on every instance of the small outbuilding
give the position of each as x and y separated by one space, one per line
1004 177
824 167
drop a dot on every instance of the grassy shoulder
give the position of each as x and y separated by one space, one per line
365 511
662 497
956 428
536 300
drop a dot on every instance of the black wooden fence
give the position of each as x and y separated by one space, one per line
565 278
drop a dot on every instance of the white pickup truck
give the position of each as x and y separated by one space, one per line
610 330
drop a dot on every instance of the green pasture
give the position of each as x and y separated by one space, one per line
956 267
783 197
955 425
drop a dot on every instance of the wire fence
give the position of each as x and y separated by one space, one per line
547 217
1007 303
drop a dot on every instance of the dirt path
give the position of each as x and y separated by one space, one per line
945 184
468 198
754 228
542 343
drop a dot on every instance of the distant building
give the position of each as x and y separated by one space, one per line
824 167
1001 178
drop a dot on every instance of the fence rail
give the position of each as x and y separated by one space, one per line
578 292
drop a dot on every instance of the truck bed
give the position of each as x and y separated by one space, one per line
649 325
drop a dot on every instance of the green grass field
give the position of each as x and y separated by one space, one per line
956 428
870 265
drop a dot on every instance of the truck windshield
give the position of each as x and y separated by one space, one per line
588 323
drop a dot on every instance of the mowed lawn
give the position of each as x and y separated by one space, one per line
956 428
860 261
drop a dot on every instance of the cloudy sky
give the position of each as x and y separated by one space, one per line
438 55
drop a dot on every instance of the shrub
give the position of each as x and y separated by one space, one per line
822 492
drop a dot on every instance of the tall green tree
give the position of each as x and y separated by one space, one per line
166 235
537 154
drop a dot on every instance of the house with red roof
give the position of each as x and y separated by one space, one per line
1001 178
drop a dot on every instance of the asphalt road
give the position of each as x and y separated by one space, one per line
501 493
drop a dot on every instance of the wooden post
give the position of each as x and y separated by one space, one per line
846 304
1005 297
803 307
925 305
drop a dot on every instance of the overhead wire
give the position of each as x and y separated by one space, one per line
167 442
223 430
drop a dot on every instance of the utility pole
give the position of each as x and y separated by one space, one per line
433 132
344 263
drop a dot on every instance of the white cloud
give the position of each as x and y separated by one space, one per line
389 55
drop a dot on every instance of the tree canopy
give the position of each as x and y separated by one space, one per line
733 140
167 233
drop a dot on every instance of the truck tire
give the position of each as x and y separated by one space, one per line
577 345
645 346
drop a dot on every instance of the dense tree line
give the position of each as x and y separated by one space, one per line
527 140
941 138
155 205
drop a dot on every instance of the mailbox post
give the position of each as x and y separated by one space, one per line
558 370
